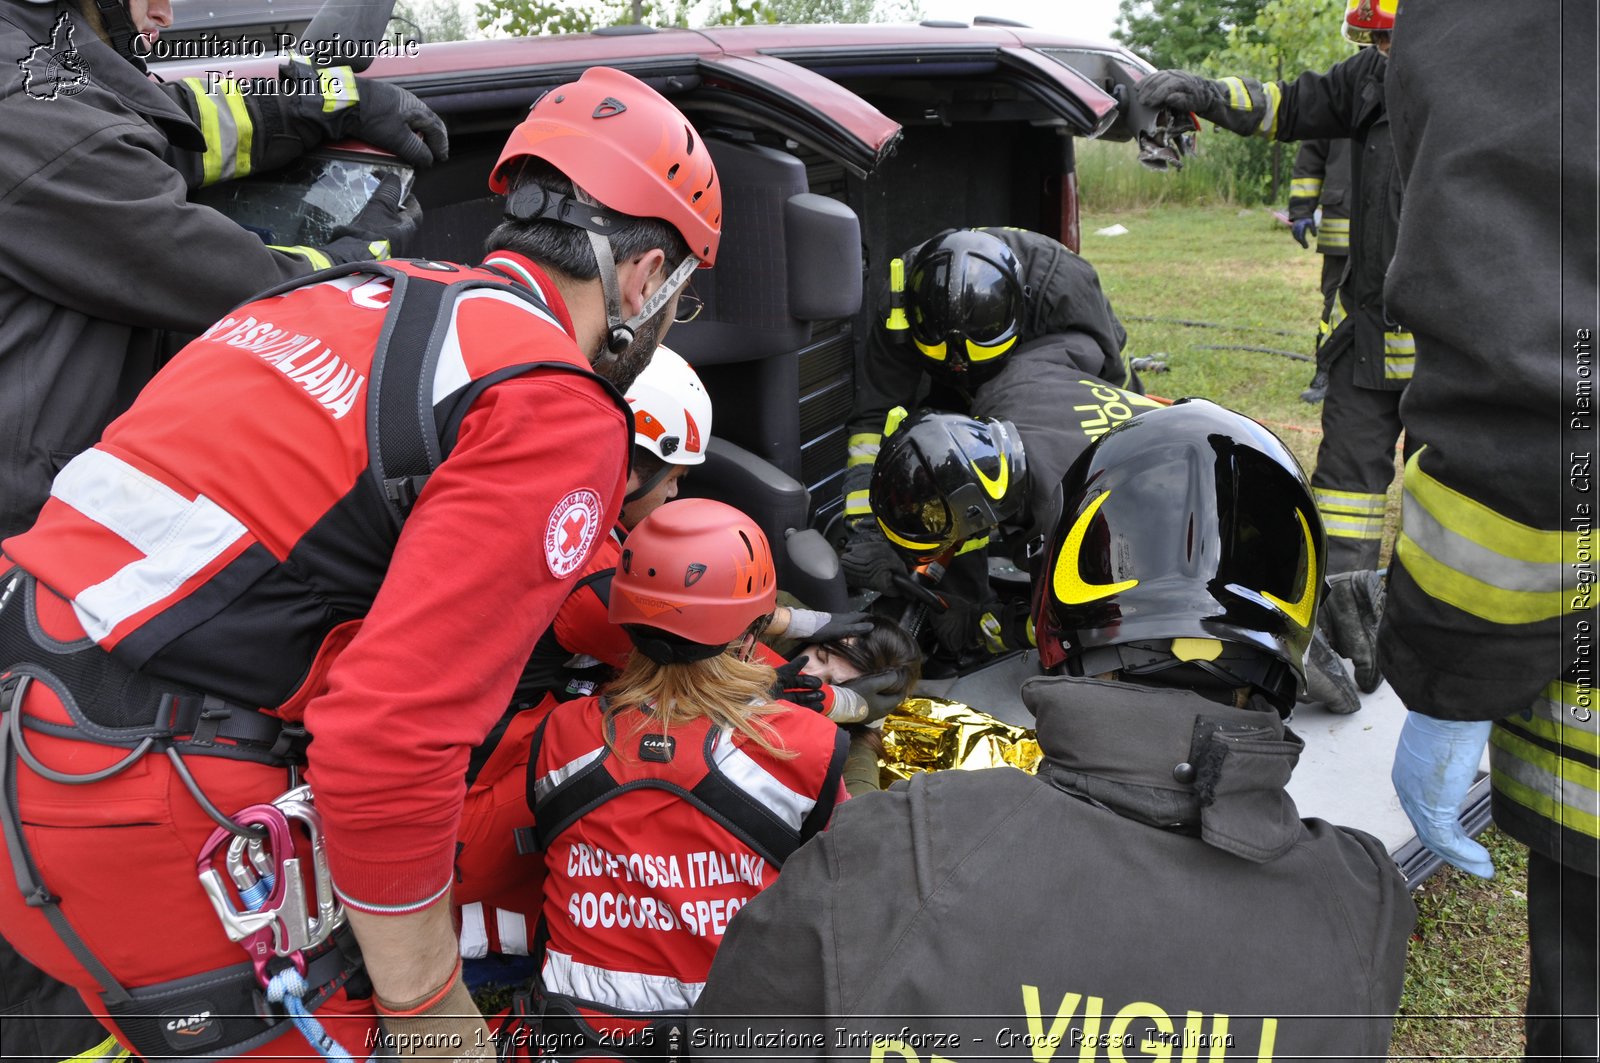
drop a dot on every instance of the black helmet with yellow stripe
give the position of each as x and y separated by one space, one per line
941 478
963 305
1187 552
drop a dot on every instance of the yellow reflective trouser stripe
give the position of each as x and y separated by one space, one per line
339 89
1465 554
1305 187
1572 735
1399 355
107 1051
1351 514
310 254
862 448
973 544
1269 121
857 504
210 129
1334 225
1555 787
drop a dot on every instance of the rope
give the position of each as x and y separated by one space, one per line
288 987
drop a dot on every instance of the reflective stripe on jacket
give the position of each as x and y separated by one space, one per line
202 538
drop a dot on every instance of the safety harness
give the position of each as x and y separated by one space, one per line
300 956
552 1020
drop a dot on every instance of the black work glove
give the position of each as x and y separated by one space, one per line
955 627
382 229
1300 226
382 114
871 563
810 626
802 690
868 698
389 117
1179 90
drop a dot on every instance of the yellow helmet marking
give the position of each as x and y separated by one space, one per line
907 543
936 351
1196 649
996 487
1069 585
1300 609
979 353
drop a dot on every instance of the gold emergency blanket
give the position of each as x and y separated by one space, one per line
931 734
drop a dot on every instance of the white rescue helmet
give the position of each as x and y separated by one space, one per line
671 410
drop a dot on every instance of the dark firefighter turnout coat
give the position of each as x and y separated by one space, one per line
101 250
1152 891
1347 101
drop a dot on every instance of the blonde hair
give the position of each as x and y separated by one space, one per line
728 691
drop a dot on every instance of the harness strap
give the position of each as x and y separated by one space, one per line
714 796
404 451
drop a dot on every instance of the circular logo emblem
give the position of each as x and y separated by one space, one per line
574 522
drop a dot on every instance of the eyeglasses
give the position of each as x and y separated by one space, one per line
689 306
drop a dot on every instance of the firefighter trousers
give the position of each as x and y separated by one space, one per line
1355 462
1564 977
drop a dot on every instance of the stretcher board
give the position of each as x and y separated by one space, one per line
1342 777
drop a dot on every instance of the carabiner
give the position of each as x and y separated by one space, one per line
296 805
257 930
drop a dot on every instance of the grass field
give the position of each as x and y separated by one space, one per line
1466 972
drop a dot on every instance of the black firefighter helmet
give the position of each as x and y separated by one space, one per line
1187 552
964 304
941 478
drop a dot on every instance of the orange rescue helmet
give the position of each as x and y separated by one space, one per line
625 145
695 575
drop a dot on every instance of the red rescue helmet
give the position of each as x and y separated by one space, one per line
695 575
630 149
1363 18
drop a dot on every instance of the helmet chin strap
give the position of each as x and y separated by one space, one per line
120 30
619 331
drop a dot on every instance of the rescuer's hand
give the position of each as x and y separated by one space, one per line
1434 767
1239 105
445 1024
802 690
1300 226
1177 90
384 226
809 625
389 117
868 698
331 103
870 562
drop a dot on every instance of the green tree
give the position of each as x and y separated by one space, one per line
432 20
1286 39
1181 33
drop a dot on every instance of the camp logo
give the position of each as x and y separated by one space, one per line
574 522
192 1027
55 68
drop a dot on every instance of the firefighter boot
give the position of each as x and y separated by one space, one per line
1350 618
1326 680
1317 390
